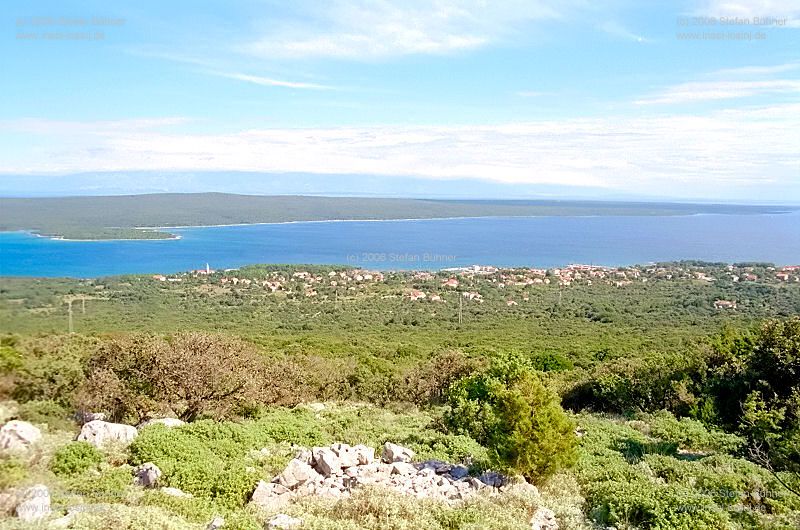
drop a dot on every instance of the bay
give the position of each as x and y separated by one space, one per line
420 244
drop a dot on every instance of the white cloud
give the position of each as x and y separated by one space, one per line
369 29
616 29
270 82
747 71
719 90
646 154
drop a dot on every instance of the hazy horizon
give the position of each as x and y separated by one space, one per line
685 100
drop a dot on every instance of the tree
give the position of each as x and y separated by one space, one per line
189 374
756 390
509 410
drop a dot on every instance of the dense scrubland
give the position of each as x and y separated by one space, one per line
630 397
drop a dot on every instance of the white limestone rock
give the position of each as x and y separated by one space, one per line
166 422
396 453
297 473
284 522
270 496
18 435
326 462
101 433
216 523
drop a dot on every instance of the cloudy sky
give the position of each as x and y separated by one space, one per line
668 98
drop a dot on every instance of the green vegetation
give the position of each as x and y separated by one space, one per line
117 217
630 402
75 458
508 409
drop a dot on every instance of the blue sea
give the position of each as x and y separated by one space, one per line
420 244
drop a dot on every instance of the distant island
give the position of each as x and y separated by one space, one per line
149 216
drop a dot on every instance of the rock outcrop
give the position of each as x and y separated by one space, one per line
271 495
100 433
395 453
18 435
146 475
334 471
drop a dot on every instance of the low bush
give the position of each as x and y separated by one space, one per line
109 485
55 415
75 458
12 472
653 487
690 434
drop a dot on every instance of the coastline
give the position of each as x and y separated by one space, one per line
172 237
175 237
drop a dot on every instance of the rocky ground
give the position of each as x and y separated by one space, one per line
331 472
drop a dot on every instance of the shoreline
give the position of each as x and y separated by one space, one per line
173 237
176 237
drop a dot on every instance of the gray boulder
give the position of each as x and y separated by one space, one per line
326 462
18 435
146 475
297 473
395 453
101 433
492 478
459 472
270 496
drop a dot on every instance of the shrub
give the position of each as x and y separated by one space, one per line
189 375
755 386
52 368
75 458
632 480
55 415
508 410
110 484
12 472
429 382
691 434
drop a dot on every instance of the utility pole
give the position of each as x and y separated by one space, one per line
83 305
69 310
460 309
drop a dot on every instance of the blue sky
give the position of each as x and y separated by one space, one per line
684 99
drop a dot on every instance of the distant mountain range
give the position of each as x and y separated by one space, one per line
138 182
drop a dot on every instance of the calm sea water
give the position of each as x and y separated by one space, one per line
429 244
